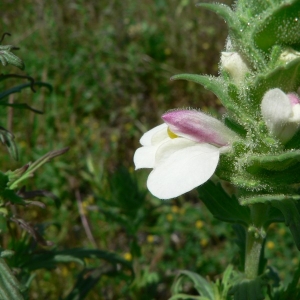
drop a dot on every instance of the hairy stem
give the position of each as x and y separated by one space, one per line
255 240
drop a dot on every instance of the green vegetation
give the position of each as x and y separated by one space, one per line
109 63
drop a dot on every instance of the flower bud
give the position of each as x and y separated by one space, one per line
233 63
281 113
288 55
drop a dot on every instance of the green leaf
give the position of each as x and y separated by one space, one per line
203 287
11 196
274 171
248 290
6 253
214 84
32 230
221 205
227 280
7 139
10 288
32 167
267 198
291 216
274 215
20 87
21 106
286 205
240 240
86 280
49 259
38 193
240 33
285 77
225 12
187 297
7 194
7 57
251 8
280 27
3 181
278 162
292 291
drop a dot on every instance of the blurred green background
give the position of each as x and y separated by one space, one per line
109 63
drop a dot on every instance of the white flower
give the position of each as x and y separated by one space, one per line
183 152
233 63
281 113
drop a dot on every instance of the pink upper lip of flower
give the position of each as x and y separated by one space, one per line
294 100
198 127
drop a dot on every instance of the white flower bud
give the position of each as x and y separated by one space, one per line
288 55
233 63
281 113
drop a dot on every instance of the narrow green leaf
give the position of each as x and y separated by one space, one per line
221 205
34 166
7 139
10 288
6 253
267 198
214 84
51 258
203 287
226 280
21 106
187 297
225 12
38 193
20 87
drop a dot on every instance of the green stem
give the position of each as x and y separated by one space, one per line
253 251
255 240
